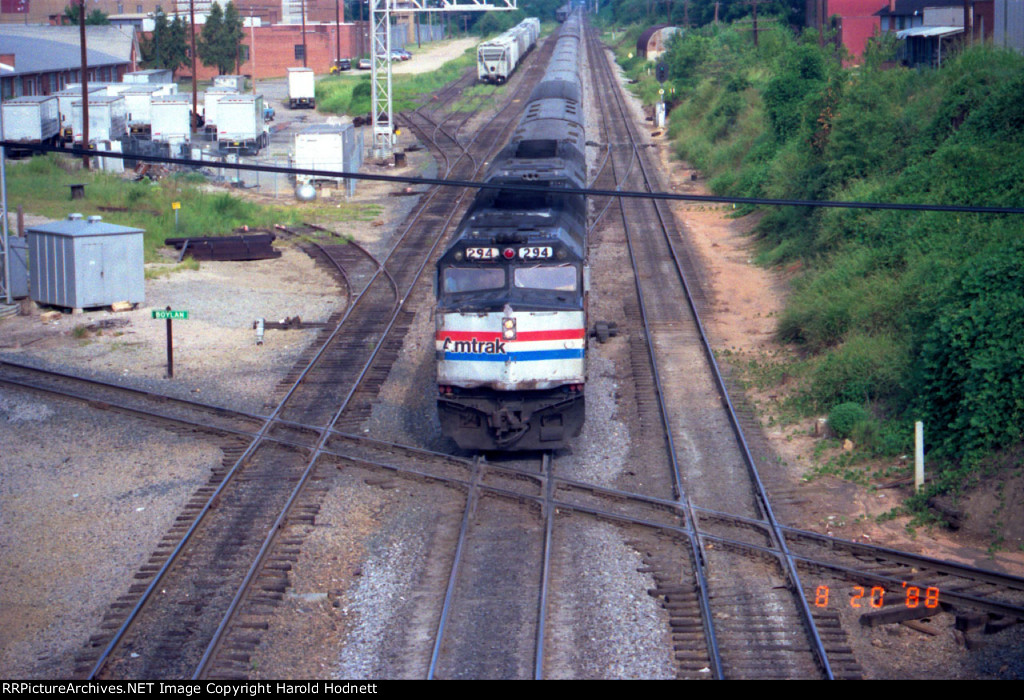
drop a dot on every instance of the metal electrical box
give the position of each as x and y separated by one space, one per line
82 263
19 267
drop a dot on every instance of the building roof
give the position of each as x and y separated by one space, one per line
928 32
915 7
42 48
36 55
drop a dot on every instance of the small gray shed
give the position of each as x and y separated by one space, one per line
81 263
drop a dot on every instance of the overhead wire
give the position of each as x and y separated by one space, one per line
589 192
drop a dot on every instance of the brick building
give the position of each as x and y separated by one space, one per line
856 20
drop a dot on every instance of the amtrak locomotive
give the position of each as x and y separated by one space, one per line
511 290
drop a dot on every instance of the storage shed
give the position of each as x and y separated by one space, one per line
81 263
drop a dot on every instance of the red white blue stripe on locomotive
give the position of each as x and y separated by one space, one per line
546 349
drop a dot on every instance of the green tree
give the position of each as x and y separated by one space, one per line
166 47
71 15
219 43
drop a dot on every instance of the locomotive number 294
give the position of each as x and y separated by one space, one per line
481 253
535 253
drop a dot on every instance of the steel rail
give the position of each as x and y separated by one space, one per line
854 575
761 494
471 500
787 560
542 605
228 478
921 562
561 504
694 537
148 395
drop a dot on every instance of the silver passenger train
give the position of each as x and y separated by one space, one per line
497 59
511 314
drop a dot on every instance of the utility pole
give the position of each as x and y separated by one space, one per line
754 4
337 30
195 84
85 86
302 5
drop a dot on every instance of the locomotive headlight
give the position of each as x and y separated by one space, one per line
508 329
561 254
458 255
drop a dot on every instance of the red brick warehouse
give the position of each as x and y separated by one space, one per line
278 48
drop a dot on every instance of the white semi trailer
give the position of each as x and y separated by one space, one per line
240 124
301 88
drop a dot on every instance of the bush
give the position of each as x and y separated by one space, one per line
845 417
972 369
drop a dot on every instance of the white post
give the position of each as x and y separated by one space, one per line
918 455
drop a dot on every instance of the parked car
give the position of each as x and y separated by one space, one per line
341 64
401 54
364 64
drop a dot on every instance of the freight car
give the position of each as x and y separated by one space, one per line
511 322
497 59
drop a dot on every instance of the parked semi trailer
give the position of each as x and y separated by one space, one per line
240 124
301 88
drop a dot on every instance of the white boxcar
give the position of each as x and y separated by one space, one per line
497 59
31 119
108 118
172 119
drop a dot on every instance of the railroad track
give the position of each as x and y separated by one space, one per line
655 528
193 608
784 642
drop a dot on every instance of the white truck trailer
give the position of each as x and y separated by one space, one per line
172 123
322 147
65 100
211 98
301 88
236 82
240 124
108 118
31 120
138 100
154 76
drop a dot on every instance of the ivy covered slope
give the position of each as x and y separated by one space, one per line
912 315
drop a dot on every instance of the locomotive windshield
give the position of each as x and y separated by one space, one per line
560 278
473 279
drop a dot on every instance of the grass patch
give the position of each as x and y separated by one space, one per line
350 94
157 272
40 186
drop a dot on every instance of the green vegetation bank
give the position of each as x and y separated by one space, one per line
905 315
